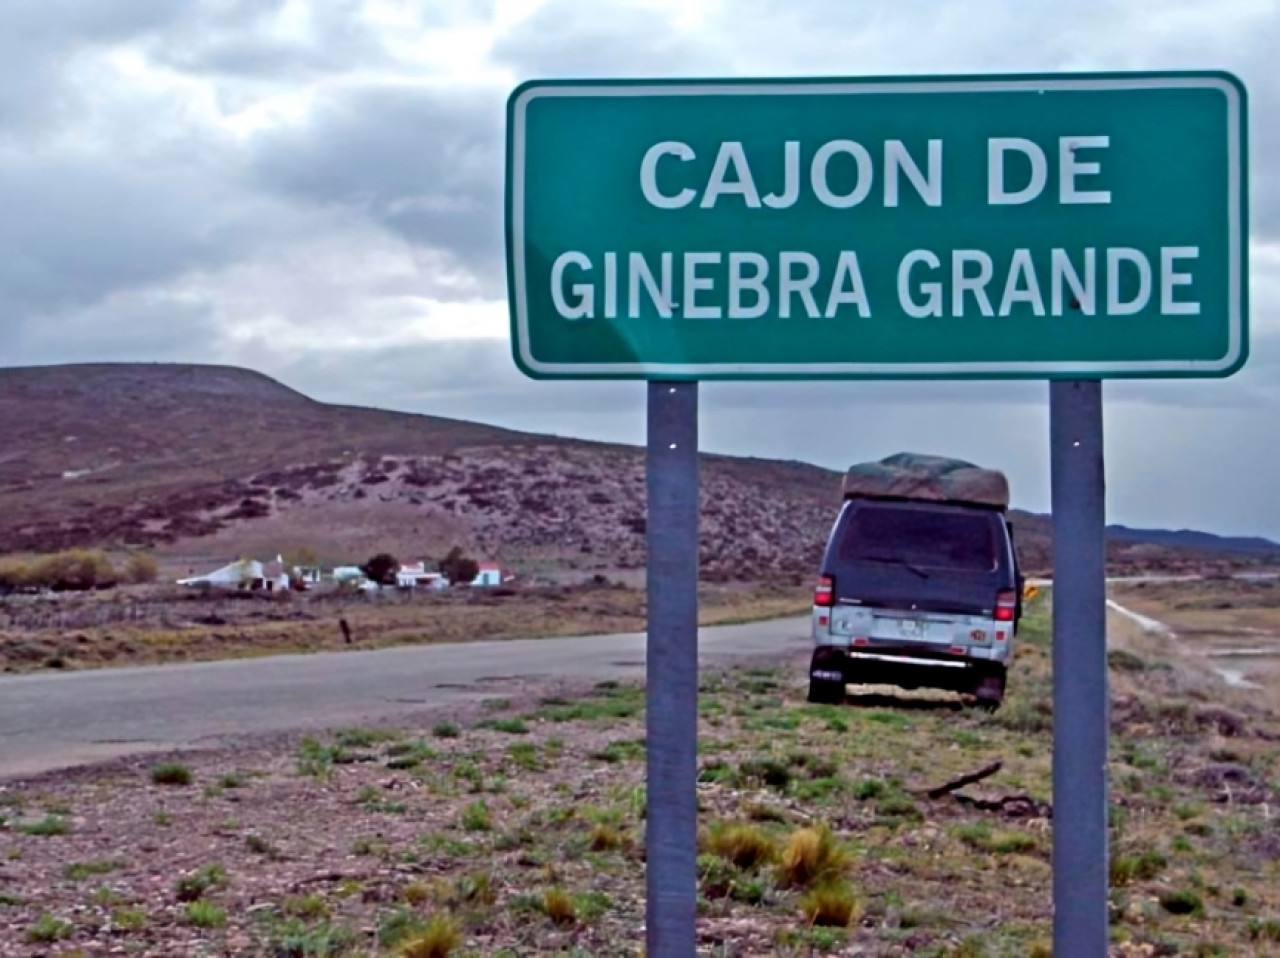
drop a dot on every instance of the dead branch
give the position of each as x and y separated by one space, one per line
1017 805
985 772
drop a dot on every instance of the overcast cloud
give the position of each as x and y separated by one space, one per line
314 190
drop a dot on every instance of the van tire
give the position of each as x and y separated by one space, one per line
988 690
823 692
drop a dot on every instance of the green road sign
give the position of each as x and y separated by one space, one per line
1055 226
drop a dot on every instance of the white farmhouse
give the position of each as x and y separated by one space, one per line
490 574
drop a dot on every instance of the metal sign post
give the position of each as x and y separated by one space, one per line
1080 699
671 694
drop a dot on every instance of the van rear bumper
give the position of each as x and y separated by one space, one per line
905 668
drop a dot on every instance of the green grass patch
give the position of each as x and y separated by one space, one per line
48 929
81 871
47 827
171 773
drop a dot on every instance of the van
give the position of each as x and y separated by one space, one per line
916 594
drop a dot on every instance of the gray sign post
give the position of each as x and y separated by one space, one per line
1080 700
671 697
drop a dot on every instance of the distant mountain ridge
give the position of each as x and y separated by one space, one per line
202 461
1191 539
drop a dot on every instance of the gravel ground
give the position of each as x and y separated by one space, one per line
519 827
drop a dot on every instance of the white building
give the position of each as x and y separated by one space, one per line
241 574
416 576
344 573
490 574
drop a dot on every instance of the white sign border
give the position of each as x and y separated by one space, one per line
1080 370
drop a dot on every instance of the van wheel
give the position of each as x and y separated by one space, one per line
989 691
822 692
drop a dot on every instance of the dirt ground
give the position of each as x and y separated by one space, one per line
519 830
146 625
1230 627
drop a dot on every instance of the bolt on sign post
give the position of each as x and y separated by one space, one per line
1064 227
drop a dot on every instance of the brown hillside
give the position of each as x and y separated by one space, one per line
206 462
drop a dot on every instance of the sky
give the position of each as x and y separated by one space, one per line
313 189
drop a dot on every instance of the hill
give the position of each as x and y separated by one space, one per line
206 462
1190 539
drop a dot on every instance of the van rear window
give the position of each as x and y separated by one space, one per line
925 538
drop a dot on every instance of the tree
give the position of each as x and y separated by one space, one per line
302 556
458 567
382 568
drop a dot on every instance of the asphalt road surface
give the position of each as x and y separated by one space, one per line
52 720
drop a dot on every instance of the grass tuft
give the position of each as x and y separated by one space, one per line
171 773
1126 869
80 871
1182 902
205 878
205 914
1265 929
605 838
476 817
811 856
558 905
830 903
745 846
46 827
439 939
48 929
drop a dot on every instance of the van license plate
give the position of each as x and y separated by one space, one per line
911 628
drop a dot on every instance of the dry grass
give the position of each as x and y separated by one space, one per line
559 906
605 838
812 855
440 939
745 846
831 903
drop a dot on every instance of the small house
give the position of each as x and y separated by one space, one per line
490 574
241 574
347 573
416 576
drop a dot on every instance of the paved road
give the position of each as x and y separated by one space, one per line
58 720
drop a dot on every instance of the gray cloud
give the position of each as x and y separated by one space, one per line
237 39
425 163
75 228
570 38
38 41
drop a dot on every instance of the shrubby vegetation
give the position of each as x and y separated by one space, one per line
76 570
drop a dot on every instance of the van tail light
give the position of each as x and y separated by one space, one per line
824 592
1006 605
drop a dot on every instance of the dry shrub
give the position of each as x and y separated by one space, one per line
830 903
416 893
746 846
559 906
811 856
605 838
72 570
440 939
14 574
140 568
